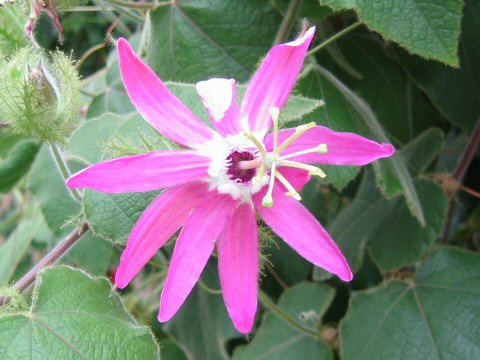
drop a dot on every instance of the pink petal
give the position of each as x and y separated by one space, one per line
299 229
154 170
297 177
156 103
220 99
238 267
274 80
192 250
344 148
156 226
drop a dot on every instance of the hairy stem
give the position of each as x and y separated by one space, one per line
135 5
274 308
63 168
287 22
335 37
457 176
56 253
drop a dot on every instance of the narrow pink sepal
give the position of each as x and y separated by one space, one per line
273 82
299 229
238 259
344 148
151 171
156 103
192 250
157 224
219 96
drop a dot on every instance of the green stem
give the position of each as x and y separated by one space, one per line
287 22
270 305
335 37
63 168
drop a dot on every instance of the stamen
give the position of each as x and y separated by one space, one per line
275 113
312 170
299 130
267 200
257 143
290 189
320 148
257 180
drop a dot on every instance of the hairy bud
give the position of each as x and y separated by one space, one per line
40 95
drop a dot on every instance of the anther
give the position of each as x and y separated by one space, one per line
312 170
275 113
290 189
267 200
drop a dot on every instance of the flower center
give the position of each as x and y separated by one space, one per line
235 170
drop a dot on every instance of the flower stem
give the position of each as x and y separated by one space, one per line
270 305
63 168
287 22
136 5
56 253
457 176
334 38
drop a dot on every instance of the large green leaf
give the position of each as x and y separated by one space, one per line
74 316
432 316
49 190
277 340
202 328
454 91
345 111
17 243
429 28
193 40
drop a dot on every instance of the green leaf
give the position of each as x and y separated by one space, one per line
277 340
195 40
454 91
112 216
432 316
345 111
16 162
74 316
91 253
49 190
429 28
17 243
12 33
209 327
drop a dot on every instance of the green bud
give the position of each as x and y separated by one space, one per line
13 302
40 95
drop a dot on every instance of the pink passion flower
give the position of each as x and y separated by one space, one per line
215 188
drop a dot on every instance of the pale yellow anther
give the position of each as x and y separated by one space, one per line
299 130
267 200
317 172
275 113
322 148
290 189
258 144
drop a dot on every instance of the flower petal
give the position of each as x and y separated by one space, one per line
156 226
192 250
220 99
299 229
154 170
297 177
238 267
274 80
344 148
156 103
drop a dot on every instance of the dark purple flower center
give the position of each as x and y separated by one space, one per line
233 169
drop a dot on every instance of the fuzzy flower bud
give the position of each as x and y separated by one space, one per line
40 95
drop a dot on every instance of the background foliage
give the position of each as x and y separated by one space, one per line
404 72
